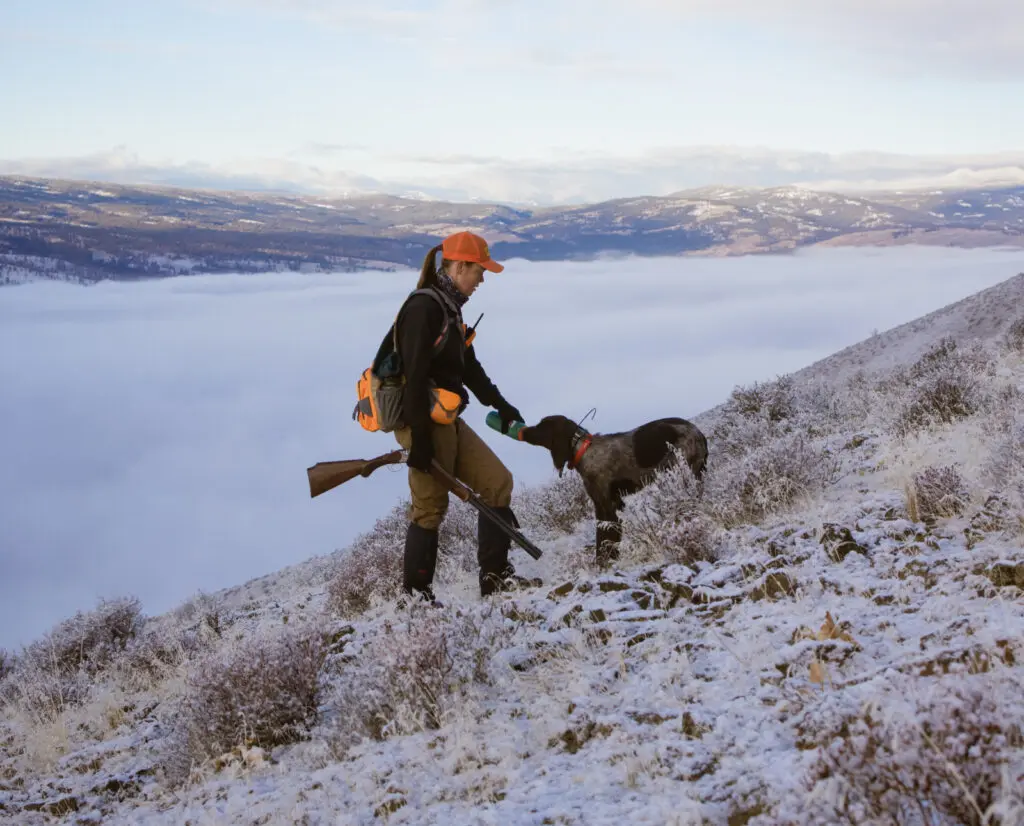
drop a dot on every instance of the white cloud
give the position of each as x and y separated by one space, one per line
983 38
381 17
974 37
155 435
552 179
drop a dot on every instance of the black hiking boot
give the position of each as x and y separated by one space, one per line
496 572
419 564
510 581
418 598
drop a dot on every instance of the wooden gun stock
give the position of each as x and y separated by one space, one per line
324 476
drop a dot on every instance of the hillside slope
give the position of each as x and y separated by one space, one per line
833 632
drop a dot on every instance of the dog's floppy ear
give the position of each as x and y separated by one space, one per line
550 433
563 430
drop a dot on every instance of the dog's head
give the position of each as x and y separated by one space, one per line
556 434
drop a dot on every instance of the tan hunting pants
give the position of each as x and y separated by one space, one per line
461 452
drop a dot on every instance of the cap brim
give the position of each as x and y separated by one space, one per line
492 265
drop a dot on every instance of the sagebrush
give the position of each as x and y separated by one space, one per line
666 521
558 506
58 670
1014 338
261 691
419 670
942 762
939 492
949 382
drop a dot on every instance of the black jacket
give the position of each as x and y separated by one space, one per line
455 368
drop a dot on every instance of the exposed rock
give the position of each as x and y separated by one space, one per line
1005 574
839 542
775 584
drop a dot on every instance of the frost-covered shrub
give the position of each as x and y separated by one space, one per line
753 414
414 673
774 400
558 506
6 663
90 640
263 691
457 540
1006 465
767 479
1014 339
676 518
201 614
948 383
816 407
371 568
938 492
665 522
943 761
57 670
1003 470
153 655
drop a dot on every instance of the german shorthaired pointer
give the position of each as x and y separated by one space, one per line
614 465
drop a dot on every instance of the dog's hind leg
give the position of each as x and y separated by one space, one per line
609 534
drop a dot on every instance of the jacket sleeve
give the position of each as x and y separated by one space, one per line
419 326
476 379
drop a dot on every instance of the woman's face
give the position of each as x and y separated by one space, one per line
467 277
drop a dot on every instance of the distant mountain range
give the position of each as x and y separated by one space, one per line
84 231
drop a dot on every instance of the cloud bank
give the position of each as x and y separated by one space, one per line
555 179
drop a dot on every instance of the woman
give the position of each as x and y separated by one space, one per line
456 447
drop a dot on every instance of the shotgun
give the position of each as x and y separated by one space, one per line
324 476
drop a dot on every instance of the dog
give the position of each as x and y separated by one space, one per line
614 465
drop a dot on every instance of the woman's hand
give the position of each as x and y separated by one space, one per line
508 415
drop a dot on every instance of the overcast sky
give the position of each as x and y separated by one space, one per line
155 436
464 97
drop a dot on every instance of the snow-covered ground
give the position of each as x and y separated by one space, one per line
832 633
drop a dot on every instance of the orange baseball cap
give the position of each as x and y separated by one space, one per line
465 246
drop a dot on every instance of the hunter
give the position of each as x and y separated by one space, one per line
436 381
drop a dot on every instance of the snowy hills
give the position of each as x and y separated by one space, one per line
83 232
832 632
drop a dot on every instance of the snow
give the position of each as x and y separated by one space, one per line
660 692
